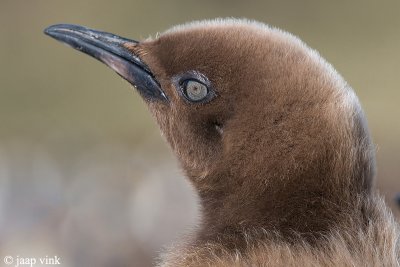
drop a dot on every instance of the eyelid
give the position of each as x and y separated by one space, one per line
194 75
184 82
181 79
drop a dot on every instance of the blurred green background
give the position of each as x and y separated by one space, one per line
84 173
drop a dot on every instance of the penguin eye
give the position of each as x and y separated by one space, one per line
194 87
194 91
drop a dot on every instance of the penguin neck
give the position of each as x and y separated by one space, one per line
237 208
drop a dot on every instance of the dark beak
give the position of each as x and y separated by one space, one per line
110 49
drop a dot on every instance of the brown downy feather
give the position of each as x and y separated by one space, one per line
277 146
289 182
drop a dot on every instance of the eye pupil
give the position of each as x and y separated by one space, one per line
195 91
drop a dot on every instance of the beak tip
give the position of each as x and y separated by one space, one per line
51 30
47 31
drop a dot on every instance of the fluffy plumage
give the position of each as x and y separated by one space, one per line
290 180
280 156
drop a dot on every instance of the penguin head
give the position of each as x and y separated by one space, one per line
248 109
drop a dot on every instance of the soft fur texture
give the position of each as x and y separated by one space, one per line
346 245
281 158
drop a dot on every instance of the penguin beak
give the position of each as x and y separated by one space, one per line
111 50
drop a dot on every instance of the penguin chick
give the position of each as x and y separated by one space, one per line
272 138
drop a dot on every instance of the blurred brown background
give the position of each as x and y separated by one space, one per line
84 173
